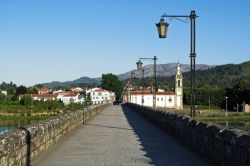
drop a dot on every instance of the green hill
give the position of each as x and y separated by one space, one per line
225 76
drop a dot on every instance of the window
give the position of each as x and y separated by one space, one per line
179 83
157 99
99 93
170 100
162 99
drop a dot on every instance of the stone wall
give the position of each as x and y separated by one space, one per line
222 146
23 145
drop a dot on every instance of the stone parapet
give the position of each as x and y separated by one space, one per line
23 145
221 145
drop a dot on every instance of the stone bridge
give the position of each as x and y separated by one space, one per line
118 135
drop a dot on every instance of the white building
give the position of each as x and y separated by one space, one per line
3 92
44 97
171 100
65 97
163 99
71 98
58 91
77 90
99 96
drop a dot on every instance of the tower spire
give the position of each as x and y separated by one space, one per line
179 87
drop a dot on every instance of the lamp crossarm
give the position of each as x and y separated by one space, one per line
148 58
173 16
177 17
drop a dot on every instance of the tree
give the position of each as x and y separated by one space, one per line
26 100
21 90
10 88
32 90
112 83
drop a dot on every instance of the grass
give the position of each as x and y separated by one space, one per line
238 121
15 117
233 117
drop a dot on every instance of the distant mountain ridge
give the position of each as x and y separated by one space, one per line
162 70
66 84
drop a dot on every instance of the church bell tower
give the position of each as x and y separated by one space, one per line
179 88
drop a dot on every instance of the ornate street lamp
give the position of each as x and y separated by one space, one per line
132 77
139 67
226 104
132 74
162 27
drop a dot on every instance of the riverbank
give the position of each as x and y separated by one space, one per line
230 117
237 120
16 117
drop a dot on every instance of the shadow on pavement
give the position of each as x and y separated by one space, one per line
161 148
112 127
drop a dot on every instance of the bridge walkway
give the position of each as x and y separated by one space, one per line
118 136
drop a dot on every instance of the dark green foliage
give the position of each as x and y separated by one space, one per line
21 90
238 95
32 90
10 88
26 100
112 83
83 82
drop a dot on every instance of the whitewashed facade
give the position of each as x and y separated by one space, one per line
71 98
163 99
171 99
99 96
3 92
44 97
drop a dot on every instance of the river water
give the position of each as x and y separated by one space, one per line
8 125
244 125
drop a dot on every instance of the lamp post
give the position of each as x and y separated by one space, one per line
139 67
132 77
209 101
226 104
162 27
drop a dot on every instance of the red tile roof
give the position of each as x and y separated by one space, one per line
43 89
70 95
148 92
100 90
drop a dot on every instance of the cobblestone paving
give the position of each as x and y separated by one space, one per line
119 137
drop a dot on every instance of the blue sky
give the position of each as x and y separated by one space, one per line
60 40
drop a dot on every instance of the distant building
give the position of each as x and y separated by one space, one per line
163 99
58 91
77 90
43 90
44 97
99 96
71 98
3 92
171 99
